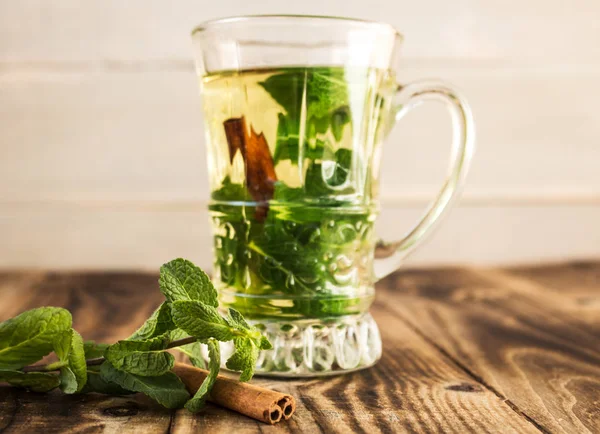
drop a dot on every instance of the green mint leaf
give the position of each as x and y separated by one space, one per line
339 119
96 384
30 336
193 350
158 324
94 350
62 348
324 89
69 349
197 402
327 90
287 89
77 361
143 358
201 321
230 192
343 158
324 94
317 149
286 194
265 344
343 163
290 252
68 381
182 280
237 320
322 178
224 201
244 358
287 141
320 125
62 345
166 389
34 381
194 353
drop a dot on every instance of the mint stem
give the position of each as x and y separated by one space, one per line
55 366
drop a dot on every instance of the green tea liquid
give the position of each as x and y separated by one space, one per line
293 232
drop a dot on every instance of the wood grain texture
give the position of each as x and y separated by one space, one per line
417 387
519 340
26 412
575 285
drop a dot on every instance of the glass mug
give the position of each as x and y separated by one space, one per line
295 111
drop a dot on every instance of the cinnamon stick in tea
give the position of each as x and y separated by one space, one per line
235 131
258 162
259 403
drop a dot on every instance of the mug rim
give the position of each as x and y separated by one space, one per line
210 24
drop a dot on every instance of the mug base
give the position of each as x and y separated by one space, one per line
315 347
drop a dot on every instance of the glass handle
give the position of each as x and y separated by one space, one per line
389 255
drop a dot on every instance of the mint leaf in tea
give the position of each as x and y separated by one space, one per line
291 155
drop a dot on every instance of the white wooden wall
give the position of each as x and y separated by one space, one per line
101 146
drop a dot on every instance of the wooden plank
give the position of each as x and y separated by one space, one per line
413 389
38 413
151 29
521 345
574 287
18 291
576 280
130 136
105 306
129 236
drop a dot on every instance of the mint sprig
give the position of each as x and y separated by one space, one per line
187 319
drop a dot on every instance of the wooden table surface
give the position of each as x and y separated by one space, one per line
465 350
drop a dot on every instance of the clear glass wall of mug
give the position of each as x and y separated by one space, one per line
296 109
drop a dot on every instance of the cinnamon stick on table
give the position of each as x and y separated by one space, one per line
259 403
258 162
